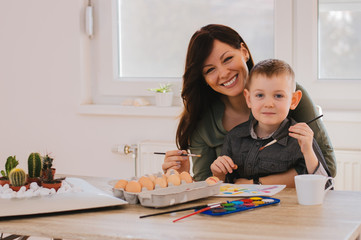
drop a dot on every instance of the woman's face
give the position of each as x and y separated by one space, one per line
225 70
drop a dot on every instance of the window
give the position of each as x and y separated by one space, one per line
339 40
153 35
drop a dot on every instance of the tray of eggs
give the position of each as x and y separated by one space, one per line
162 190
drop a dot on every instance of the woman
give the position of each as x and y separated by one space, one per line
217 65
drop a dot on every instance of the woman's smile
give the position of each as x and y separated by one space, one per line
231 82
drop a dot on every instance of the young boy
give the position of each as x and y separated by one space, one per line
270 94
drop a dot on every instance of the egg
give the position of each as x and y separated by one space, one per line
212 180
121 184
161 182
146 182
133 186
174 179
186 177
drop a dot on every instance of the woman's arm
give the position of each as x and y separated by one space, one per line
286 178
305 111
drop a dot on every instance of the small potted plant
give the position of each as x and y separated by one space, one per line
17 177
10 164
48 173
34 168
163 95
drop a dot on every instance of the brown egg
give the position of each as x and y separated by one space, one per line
186 177
161 182
212 180
133 186
121 184
174 179
146 182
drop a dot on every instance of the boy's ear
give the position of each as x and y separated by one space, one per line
296 98
247 96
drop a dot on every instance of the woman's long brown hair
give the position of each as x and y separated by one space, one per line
197 96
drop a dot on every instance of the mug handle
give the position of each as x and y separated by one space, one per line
332 183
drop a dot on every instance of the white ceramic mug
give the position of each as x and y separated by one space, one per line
310 188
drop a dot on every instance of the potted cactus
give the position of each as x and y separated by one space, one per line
10 164
48 173
34 168
17 177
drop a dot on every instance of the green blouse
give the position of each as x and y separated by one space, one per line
208 137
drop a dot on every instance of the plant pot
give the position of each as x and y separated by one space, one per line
164 99
17 188
53 170
56 185
36 179
4 181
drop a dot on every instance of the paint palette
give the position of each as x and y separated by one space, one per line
241 205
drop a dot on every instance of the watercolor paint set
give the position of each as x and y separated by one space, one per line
239 205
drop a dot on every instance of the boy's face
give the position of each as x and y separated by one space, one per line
271 98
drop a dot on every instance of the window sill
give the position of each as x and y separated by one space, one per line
117 110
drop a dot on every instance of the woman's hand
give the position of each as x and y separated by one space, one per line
174 160
304 134
221 166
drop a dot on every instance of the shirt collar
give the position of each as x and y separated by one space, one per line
283 127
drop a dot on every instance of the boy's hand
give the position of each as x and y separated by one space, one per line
221 166
304 134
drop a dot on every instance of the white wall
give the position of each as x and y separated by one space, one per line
42 46
41 49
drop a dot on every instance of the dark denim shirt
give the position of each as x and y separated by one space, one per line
242 145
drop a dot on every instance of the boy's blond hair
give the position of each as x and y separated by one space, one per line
271 67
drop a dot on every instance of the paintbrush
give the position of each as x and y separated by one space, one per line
180 210
183 154
286 134
199 211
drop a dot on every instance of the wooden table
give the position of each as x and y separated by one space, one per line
338 218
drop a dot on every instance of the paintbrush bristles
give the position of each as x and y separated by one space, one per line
270 143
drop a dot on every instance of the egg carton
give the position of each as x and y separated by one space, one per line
171 195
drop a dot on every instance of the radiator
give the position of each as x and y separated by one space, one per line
348 175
